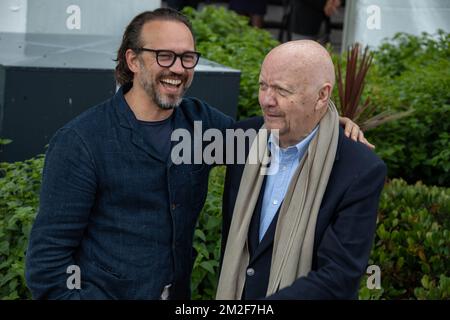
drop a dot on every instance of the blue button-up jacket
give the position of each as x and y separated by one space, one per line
113 207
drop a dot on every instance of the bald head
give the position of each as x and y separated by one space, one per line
295 85
309 60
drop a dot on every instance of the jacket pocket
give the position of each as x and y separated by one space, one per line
98 282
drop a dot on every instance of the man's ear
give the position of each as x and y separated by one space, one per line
324 96
132 60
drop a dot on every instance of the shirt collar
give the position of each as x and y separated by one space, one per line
299 147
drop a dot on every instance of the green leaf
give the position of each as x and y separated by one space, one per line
199 233
207 265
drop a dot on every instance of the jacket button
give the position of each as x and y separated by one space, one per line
250 272
174 206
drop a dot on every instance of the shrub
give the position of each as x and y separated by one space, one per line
207 240
412 73
19 187
350 82
412 243
226 37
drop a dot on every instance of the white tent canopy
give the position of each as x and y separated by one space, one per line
370 21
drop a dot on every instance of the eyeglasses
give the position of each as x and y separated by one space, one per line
166 58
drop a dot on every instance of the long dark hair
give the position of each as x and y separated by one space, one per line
132 38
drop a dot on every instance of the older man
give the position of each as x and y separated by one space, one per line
305 229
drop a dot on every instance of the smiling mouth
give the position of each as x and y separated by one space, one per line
171 83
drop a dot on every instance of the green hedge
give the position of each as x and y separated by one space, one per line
226 37
411 72
207 240
412 243
19 187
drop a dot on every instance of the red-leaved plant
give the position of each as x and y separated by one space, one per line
350 91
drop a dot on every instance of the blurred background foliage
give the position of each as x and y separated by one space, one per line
225 37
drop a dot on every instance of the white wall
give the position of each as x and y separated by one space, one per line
84 17
13 15
369 21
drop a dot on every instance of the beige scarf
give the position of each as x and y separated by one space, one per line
294 235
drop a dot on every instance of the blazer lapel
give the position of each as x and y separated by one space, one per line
256 247
253 232
267 240
127 119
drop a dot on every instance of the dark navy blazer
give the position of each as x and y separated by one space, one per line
344 231
112 206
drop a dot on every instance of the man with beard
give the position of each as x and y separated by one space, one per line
117 217
112 203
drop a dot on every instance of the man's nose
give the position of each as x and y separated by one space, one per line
268 98
177 66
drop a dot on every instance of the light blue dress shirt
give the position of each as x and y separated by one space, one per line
283 164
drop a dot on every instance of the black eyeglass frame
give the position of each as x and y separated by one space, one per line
175 56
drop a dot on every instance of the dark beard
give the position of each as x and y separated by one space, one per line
156 98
